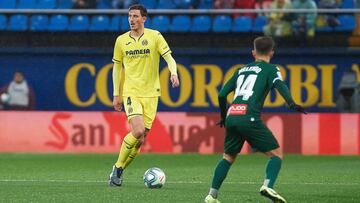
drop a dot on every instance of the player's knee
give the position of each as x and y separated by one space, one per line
139 132
276 152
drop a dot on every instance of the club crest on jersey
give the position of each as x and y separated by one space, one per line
130 110
237 109
144 42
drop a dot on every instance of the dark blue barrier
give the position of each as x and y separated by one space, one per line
80 79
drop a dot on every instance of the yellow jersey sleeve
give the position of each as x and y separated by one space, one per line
162 46
118 57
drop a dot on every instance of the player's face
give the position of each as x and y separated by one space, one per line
136 21
18 77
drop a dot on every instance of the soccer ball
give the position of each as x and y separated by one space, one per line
154 178
5 98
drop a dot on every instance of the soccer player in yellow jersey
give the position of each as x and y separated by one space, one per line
137 54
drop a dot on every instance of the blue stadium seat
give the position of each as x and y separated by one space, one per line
115 23
161 23
124 23
7 4
347 23
46 4
26 4
64 4
201 23
347 4
166 4
183 4
180 23
222 23
104 4
39 22
79 23
241 24
18 23
99 23
206 4
149 4
259 23
3 22
58 23
148 22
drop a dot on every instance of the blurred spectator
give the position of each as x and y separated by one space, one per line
348 98
85 4
329 19
279 24
263 4
20 95
245 4
224 4
304 23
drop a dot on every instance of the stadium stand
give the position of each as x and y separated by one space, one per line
194 24
161 23
26 4
149 4
201 23
259 23
115 23
18 23
347 4
241 24
222 23
180 23
64 4
165 23
104 4
58 23
79 23
166 4
3 22
99 23
347 23
124 24
8 4
39 23
206 4
46 4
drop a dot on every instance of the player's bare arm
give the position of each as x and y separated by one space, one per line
117 85
174 79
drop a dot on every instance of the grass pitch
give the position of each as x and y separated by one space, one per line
83 178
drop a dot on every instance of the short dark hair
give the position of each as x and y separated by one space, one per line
140 7
263 45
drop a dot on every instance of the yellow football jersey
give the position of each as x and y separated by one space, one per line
140 58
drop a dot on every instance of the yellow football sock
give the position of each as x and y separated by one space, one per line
135 151
125 149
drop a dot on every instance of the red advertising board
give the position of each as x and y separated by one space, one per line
172 132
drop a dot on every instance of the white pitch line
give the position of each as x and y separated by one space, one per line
180 182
